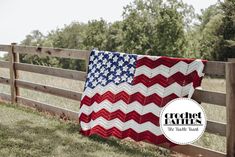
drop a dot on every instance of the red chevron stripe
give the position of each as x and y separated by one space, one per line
113 98
178 77
143 136
149 117
167 61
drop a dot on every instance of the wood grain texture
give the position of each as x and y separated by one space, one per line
6 48
230 109
4 80
215 68
49 89
4 64
64 73
61 112
54 52
216 128
211 97
5 97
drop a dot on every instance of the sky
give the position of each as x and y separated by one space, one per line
19 17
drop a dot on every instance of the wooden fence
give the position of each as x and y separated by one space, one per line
222 69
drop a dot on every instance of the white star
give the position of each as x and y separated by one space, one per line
113 68
103 82
100 79
91 78
111 77
95 61
124 77
126 58
125 68
100 57
118 72
90 66
117 79
129 79
91 58
93 70
94 83
89 75
110 55
105 61
102 70
108 64
106 73
96 74
132 61
98 65
132 70
120 63
115 59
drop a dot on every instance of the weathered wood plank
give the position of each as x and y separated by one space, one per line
5 97
216 98
194 151
49 89
6 48
55 52
231 60
4 80
215 68
4 64
62 112
230 108
216 128
69 74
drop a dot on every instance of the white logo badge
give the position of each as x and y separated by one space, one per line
182 121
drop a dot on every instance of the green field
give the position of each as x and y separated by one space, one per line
216 113
24 132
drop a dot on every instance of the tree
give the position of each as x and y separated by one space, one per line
96 35
156 27
227 49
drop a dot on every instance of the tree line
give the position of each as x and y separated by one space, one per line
152 27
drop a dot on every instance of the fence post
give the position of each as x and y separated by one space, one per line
230 108
14 57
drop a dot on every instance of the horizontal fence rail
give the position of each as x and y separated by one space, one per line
5 48
50 90
212 69
4 64
69 74
54 52
216 98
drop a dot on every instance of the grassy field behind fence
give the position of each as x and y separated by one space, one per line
217 113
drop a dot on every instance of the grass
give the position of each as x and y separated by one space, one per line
24 132
213 112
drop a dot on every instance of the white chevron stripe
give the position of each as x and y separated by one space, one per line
122 126
121 105
153 58
175 88
167 72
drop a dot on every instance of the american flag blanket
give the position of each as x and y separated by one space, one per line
124 93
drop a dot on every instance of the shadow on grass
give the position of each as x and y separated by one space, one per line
63 139
130 148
